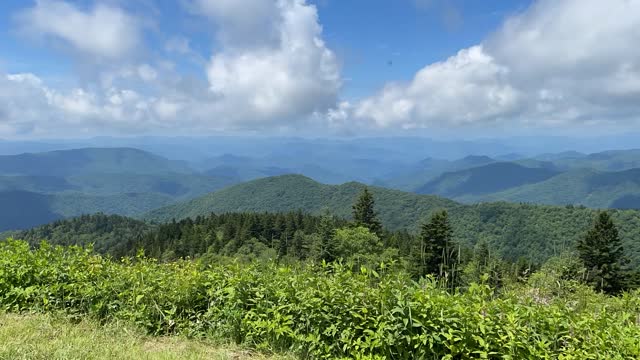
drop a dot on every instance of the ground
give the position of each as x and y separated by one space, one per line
50 337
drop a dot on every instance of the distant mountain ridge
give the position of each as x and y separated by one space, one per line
485 179
63 163
58 184
23 209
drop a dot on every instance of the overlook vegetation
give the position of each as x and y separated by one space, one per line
323 312
325 287
46 336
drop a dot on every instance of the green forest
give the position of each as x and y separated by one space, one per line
328 286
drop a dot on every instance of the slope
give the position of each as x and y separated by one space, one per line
612 160
515 230
64 163
24 209
428 169
586 187
106 232
485 179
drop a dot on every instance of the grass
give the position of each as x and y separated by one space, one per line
37 336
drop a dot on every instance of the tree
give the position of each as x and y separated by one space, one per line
364 213
435 253
357 244
327 251
602 253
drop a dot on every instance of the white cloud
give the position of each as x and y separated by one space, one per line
558 63
27 105
286 76
465 88
272 70
552 65
102 31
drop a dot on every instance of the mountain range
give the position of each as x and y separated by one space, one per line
515 230
128 181
41 187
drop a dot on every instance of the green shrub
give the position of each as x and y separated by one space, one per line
321 311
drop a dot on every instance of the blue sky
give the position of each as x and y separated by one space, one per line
93 67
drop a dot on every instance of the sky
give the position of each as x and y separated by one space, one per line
79 68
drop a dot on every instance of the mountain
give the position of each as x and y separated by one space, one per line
294 192
586 187
613 160
178 186
324 165
58 184
24 209
428 169
62 163
535 231
484 179
35 183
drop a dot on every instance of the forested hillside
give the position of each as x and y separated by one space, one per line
58 184
485 179
23 209
592 188
109 234
534 231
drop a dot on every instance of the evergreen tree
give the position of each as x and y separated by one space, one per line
603 256
327 251
364 213
434 254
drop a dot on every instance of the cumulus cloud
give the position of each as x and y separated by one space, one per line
557 63
29 106
271 69
472 79
551 65
274 66
102 31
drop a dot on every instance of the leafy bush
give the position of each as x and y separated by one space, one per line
321 311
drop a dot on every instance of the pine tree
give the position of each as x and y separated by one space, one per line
602 253
434 254
327 242
364 213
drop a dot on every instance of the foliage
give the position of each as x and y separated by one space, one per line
435 253
364 213
536 232
603 255
112 234
321 312
358 245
